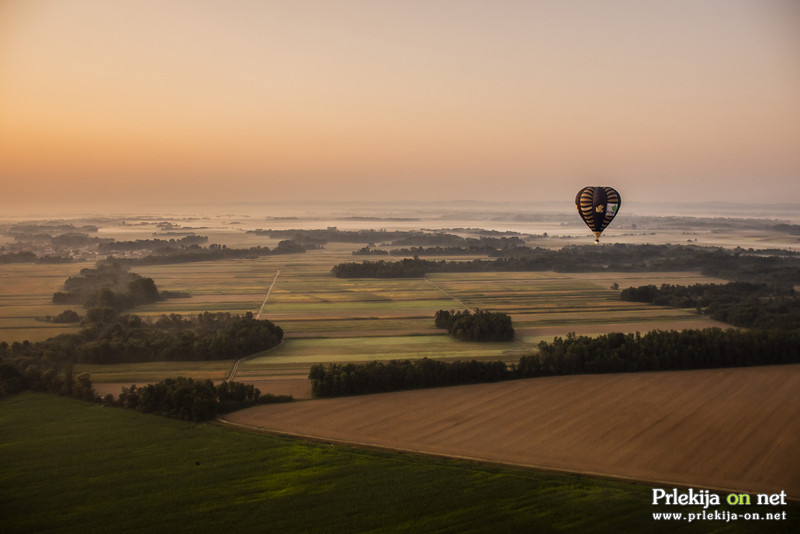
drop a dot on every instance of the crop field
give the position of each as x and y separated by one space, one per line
717 428
112 378
337 320
733 429
69 466
326 319
25 293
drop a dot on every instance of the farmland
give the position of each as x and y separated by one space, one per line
722 428
557 423
327 319
69 466
25 293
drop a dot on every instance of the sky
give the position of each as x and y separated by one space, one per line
134 101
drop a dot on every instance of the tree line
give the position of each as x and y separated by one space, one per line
611 353
192 400
479 326
22 374
471 250
161 251
661 351
743 304
214 252
735 265
179 398
156 245
128 338
335 380
419 238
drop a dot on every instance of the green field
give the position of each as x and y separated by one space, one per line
69 466
138 373
326 319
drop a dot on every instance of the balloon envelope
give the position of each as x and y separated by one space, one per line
597 206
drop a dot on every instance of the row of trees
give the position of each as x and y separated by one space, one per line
192 400
610 353
479 326
180 398
743 304
182 250
418 238
405 268
661 351
21 374
215 252
736 265
128 338
156 245
26 256
335 380
67 316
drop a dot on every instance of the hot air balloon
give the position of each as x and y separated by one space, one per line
597 206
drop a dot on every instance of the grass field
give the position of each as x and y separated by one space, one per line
69 466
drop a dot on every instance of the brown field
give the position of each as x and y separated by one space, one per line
734 429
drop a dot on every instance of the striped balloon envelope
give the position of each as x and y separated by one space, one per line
597 207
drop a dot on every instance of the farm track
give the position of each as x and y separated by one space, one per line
449 295
725 429
266 297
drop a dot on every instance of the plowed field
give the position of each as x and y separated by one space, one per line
735 429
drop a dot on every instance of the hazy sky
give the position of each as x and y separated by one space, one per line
129 101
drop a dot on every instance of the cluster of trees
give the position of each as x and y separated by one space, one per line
26 231
417 238
661 351
474 250
791 229
479 326
128 338
367 251
192 400
67 316
161 251
20 374
27 256
452 241
331 235
110 285
213 252
158 245
405 268
610 353
736 265
743 304
180 398
336 380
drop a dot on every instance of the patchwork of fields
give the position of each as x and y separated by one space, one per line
326 319
720 428
25 293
